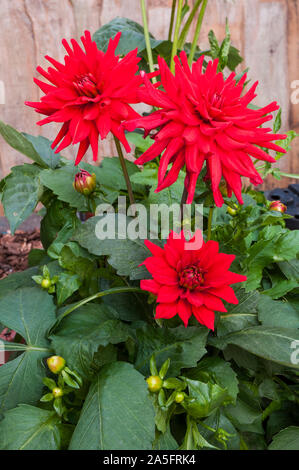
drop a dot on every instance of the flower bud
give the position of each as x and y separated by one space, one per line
56 364
46 283
277 206
232 210
179 397
85 183
57 392
154 383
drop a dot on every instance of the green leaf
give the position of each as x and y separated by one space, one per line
287 439
281 288
19 142
239 316
203 399
277 122
67 284
29 428
220 370
183 346
165 441
271 343
290 268
124 255
132 36
141 143
42 145
80 335
117 413
16 280
286 143
20 197
30 312
274 245
277 313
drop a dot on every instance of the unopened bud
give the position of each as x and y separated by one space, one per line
232 210
277 206
56 364
85 183
154 383
46 283
179 397
57 392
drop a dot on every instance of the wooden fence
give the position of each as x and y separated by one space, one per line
265 31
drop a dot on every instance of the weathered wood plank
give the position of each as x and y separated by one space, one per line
266 31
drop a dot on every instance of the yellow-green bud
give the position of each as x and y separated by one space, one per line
154 383
232 210
46 283
57 392
179 397
56 364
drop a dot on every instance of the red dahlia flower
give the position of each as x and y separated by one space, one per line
204 118
190 281
89 94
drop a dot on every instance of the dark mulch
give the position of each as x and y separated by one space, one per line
14 250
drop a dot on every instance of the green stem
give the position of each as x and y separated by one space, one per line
210 219
176 35
186 28
171 19
125 171
197 31
114 290
147 39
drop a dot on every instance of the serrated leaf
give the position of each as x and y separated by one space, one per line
132 36
287 439
277 313
19 142
124 255
271 343
20 197
30 312
117 413
42 145
183 346
29 428
80 335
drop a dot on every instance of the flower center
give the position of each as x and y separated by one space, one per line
191 277
86 85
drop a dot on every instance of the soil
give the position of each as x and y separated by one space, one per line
14 250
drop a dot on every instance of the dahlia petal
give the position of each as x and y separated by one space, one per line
173 172
118 132
150 285
213 303
60 135
168 294
184 311
82 151
161 271
226 293
171 150
154 249
204 316
103 123
166 311
152 152
195 298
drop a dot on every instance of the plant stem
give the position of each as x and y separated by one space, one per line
176 34
147 39
183 202
186 28
115 290
125 171
210 219
197 31
171 19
